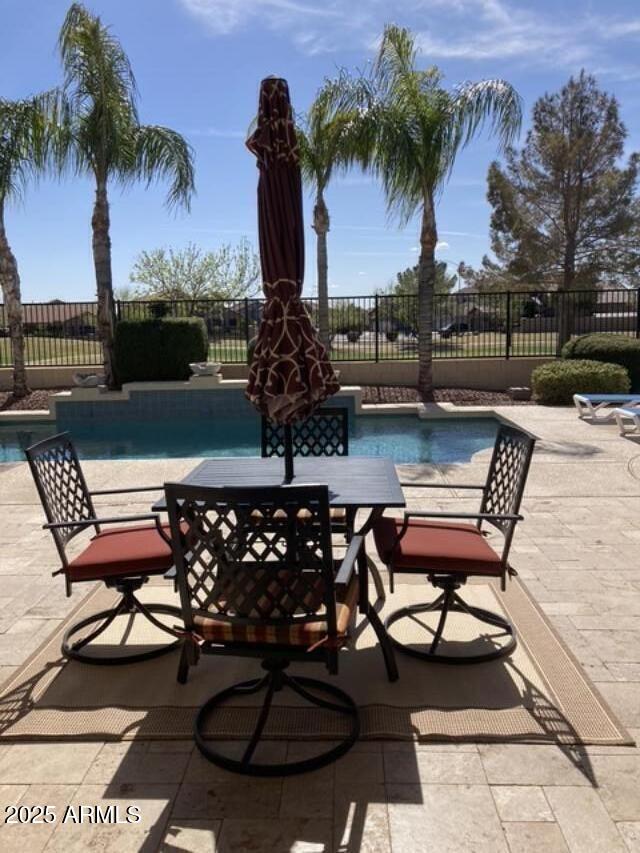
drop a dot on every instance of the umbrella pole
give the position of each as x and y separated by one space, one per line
288 454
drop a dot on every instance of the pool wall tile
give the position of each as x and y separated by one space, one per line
150 405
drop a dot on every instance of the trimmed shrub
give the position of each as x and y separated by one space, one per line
554 384
159 349
614 349
392 336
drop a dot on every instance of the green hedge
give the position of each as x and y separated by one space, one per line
555 383
159 349
614 349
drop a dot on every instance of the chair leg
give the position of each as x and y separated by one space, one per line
130 604
183 666
377 580
447 602
274 681
386 644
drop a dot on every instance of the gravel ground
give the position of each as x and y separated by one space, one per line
459 396
39 399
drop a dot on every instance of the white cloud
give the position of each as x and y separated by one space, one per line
217 132
473 30
441 244
463 234
225 16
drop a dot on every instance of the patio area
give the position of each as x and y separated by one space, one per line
576 552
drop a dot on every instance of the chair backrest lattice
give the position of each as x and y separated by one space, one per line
253 555
323 433
507 475
61 486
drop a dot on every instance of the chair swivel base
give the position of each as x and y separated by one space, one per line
129 605
275 680
449 601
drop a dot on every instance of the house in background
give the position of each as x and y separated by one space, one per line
58 319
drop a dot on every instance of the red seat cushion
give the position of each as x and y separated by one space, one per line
123 551
436 546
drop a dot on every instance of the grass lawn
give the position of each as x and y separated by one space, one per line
54 351
69 351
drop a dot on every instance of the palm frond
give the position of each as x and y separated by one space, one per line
493 102
25 138
95 63
162 153
396 56
101 94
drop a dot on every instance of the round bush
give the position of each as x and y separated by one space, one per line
614 349
554 384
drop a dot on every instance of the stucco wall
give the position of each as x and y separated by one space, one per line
482 373
486 374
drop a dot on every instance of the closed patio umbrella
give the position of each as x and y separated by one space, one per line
290 373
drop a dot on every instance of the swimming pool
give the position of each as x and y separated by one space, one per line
404 438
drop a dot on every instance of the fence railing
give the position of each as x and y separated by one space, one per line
362 328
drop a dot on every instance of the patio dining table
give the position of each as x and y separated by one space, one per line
355 482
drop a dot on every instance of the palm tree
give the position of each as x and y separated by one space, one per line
411 130
104 138
23 148
324 146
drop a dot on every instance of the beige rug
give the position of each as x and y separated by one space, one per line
538 694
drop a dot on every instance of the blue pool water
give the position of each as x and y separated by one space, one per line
404 438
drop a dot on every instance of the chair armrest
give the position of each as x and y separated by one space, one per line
485 516
127 491
439 486
348 561
89 522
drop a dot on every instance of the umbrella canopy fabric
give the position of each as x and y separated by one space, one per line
290 373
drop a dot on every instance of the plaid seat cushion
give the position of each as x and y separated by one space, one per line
220 629
436 546
337 514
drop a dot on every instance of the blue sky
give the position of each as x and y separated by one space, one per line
198 64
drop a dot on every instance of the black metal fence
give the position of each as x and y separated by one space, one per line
362 328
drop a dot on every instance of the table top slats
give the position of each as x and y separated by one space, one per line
353 481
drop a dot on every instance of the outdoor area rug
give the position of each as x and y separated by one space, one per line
539 694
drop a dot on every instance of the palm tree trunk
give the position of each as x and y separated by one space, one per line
104 279
426 287
321 226
10 282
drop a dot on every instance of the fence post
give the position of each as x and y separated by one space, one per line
507 340
376 315
638 312
246 324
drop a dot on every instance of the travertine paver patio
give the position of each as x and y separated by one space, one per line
577 552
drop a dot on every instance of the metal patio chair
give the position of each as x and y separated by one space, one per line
266 587
324 433
123 558
449 552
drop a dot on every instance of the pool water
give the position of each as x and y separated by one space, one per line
403 438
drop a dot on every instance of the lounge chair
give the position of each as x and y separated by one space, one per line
624 414
599 407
